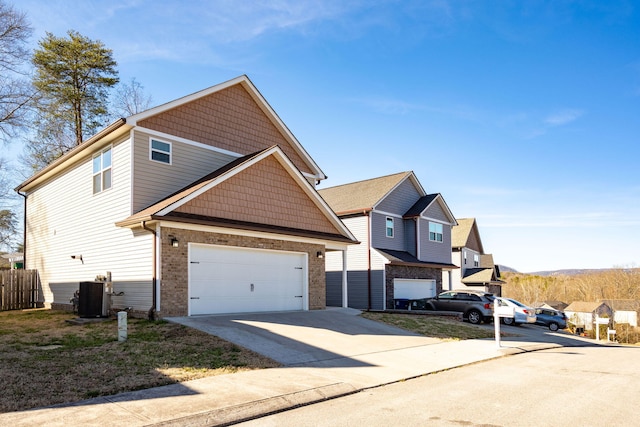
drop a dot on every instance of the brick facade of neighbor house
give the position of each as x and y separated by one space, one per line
408 272
175 269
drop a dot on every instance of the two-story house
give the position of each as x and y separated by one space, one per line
405 237
477 269
206 204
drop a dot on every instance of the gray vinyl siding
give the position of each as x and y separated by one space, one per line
400 199
435 251
435 212
154 180
379 237
52 238
358 289
410 233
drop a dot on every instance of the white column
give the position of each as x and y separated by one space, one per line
345 297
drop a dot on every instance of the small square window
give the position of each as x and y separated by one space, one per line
160 151
389 227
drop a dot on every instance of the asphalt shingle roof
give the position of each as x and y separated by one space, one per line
361 195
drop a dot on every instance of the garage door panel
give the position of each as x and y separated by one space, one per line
232 280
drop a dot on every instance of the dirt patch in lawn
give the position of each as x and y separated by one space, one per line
44 360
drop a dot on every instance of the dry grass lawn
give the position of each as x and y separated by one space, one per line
442 327
44 360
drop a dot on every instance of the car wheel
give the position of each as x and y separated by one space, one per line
553 326
474 317
507 320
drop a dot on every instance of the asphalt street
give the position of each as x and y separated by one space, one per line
577 386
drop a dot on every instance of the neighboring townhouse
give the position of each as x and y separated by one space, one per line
206 204
583 314
555 305
405 237
624 310
477 269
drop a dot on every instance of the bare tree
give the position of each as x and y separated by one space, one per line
15 90
130 99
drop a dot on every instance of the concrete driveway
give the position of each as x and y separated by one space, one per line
335 337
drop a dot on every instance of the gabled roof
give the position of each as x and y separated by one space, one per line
466 235
363 196
623 304
557 305
405 258
121 127
255 94
480 276
178 207
425 202
584 306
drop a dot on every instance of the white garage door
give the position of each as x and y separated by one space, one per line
225 279
414 288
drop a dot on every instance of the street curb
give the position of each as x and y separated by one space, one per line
257 409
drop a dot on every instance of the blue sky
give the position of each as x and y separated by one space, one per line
522 114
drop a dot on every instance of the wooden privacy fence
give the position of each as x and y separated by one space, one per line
18 289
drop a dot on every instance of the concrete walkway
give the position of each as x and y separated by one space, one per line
344 361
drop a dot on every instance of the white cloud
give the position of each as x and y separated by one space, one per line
563 117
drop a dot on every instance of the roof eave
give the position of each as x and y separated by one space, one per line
109 133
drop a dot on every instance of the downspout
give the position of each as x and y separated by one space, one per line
417 237
24 232
369 261
152 310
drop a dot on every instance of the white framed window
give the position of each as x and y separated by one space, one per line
160 151
476 260
435 232
465 257
389 226
102 171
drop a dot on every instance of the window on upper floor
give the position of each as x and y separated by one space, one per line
476 260
102 171
435 232
389 227
160 151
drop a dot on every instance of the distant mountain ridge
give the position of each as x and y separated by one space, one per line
564 272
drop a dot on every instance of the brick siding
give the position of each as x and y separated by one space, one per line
175 279
409 272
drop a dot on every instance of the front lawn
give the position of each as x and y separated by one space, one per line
44 360
442 327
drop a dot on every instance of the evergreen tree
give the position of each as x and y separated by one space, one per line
73 76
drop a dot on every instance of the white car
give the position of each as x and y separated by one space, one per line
523 314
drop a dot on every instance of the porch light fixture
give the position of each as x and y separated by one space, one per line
174 242
320 254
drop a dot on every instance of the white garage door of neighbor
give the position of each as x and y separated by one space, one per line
413 288
225 279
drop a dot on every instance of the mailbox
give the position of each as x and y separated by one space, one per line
502 309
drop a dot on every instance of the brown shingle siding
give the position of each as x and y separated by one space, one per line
264 193
229 119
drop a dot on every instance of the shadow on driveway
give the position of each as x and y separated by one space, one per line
335 336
